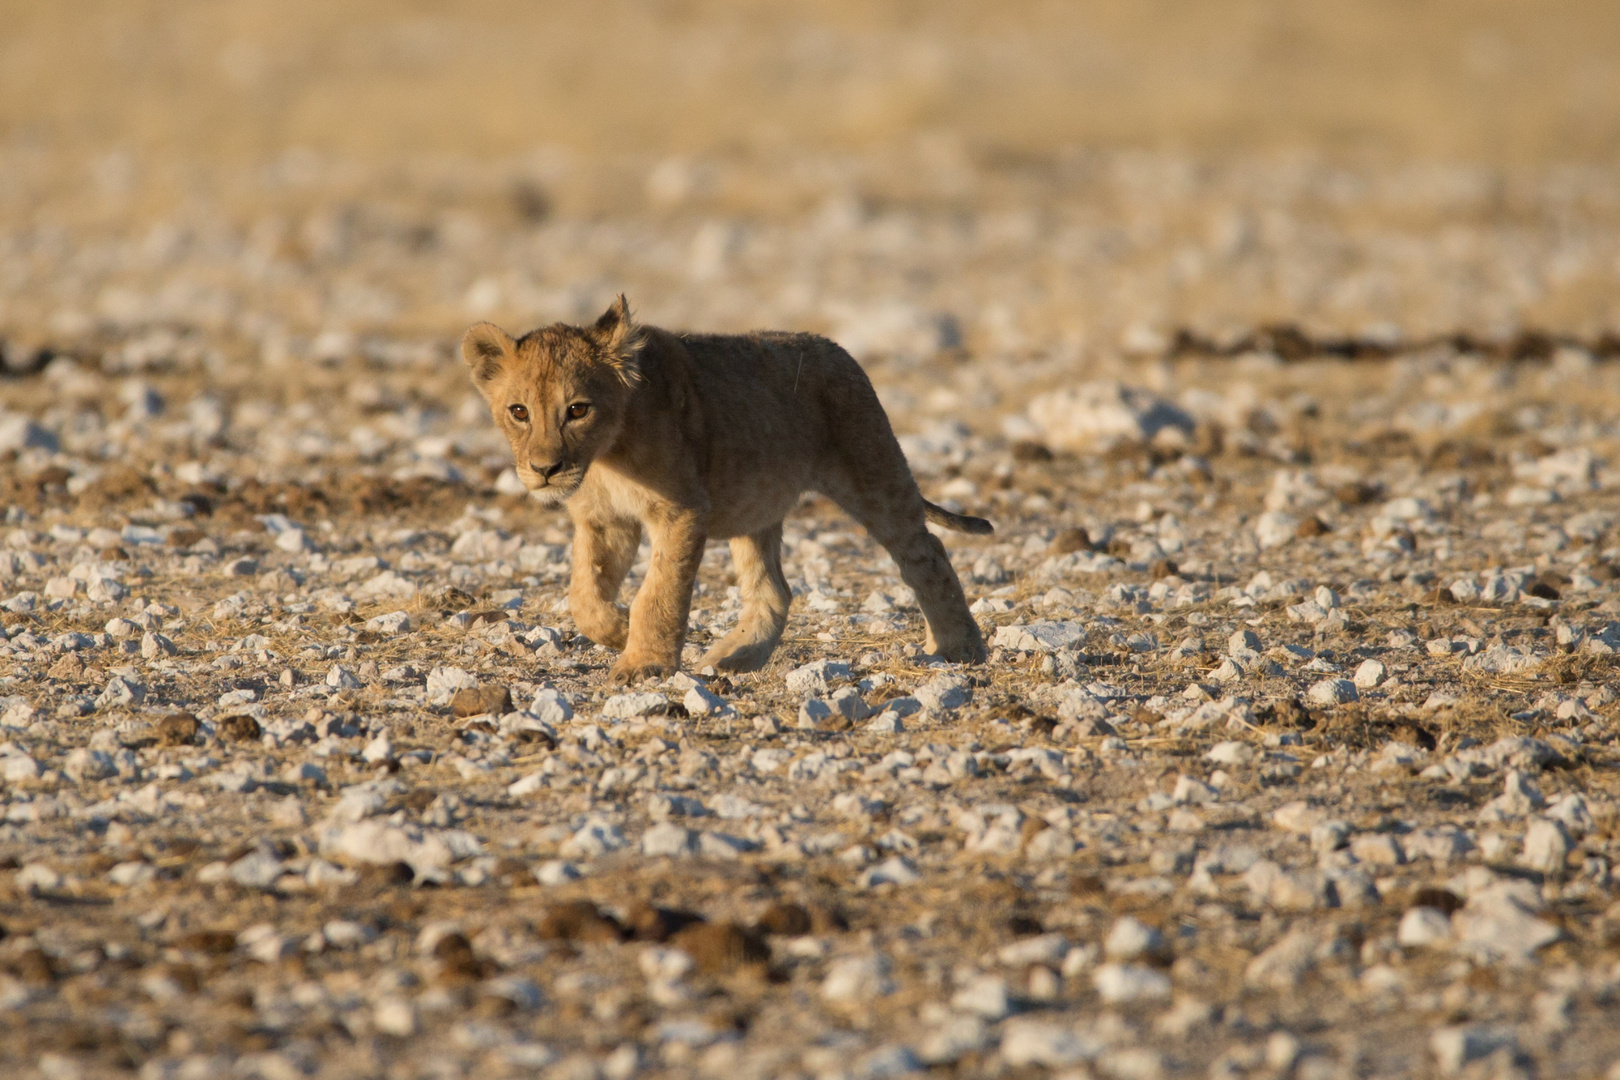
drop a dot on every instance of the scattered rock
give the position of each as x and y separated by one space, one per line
1098 416
1119 984
1331 692
494 700
239 728
857 978
722 948
578 921
177 729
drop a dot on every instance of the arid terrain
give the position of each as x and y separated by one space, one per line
1282 348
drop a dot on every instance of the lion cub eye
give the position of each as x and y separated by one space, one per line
519 413
577 410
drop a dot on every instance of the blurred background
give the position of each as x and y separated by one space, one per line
233 82
1010 176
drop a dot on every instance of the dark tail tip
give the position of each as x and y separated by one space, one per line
960 522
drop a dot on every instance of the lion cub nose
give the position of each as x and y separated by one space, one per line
547 471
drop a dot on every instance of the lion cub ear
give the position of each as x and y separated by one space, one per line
485 348
620 340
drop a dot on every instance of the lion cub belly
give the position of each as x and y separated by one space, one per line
744 497
733 513
754 488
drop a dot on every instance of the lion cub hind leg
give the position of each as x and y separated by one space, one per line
604 551
951 631
876 489
757 560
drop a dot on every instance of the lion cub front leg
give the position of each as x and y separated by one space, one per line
659 613
604 551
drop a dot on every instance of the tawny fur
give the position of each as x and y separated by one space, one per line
693 437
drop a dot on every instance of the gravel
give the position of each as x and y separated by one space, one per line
1294 754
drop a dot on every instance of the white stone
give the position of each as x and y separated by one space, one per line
1093 417
1369 674
19 768
857 978
1441 843
887 723
953 1039
1118 984
1378 849
1520 752
1029 1041
394 1016
984 995
1297 817
815 679
550 707
387 585
1500 924
256 870
717 845
668 839
341 678
1546 846
1130 939
1244 645
813 712
1230 752
847 702
1332 692
19 433
944 693
378 751
85 764
426 850
1423 927
265 945
1190 791
557 872
37 877
394 622
891 871
1571 811
154 645
1040 637
121 692
628 706
1455 1047
127 875
524 786
1275 528
595 838
701 701
1038 949
294 541
1284 964
443 682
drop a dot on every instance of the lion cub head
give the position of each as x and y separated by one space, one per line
559 393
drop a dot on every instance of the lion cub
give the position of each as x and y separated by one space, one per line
700 436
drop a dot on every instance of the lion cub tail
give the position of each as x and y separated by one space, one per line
960 522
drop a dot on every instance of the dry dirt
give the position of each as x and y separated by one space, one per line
1296 752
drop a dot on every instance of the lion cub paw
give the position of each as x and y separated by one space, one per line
732 656
628 671
963 649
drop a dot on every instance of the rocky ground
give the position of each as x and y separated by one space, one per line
1294 757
